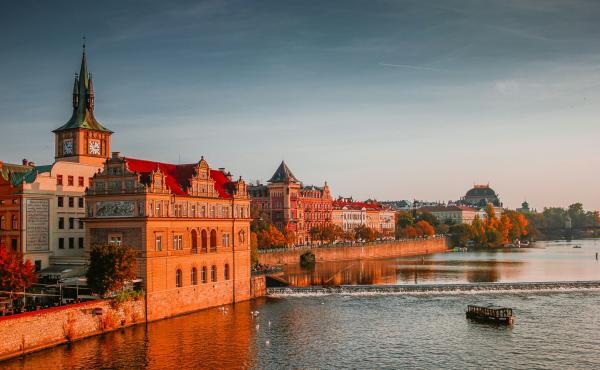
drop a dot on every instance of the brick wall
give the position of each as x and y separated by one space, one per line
258 286
372 251
32 331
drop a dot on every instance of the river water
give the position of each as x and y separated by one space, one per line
553 329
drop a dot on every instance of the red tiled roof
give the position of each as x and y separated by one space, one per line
446 208
177 175
356 205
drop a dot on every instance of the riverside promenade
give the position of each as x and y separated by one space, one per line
356 251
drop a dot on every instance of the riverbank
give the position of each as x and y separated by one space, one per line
379 250
38 330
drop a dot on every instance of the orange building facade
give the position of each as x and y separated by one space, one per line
348 215
290 205
189 224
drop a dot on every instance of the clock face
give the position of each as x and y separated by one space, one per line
67 146
94 147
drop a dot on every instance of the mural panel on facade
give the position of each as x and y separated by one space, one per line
115 209
38 229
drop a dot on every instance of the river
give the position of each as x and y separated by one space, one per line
553 329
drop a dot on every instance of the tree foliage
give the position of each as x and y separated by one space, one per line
15 274
111 266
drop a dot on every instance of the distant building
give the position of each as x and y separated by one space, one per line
349 215
452 214
480 196
290 205
525 208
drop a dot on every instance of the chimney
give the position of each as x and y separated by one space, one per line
25 162
222 169
229 176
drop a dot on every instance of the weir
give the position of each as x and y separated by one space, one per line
436 288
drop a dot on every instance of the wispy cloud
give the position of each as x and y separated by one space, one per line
408 66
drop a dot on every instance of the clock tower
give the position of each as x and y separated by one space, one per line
82 139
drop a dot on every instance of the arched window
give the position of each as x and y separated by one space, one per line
226 272
203 277
194 241
213 273
204 238
14 222
194 276
213 241
178 278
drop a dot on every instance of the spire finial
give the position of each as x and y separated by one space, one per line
83 38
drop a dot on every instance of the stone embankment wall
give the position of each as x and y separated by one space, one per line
391 249
32 331
258 286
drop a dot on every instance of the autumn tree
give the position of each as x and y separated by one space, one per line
15 273
111 266
364 233
424 228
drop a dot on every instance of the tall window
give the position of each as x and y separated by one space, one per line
61 222
158 243
71 243
14 222
71 223
203 277
80 202
193 211
80 181
2 223
61 201
177 242
80 224
194 276
71 202
70 181
59 180
226 272
80 245
213 240
91 181
213 273
157 213
225 240
61 243
178 278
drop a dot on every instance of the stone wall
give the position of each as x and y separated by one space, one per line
258 286
391 249
32 331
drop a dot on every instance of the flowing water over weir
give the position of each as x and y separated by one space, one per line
436 288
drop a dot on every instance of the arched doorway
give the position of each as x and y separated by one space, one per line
213 240
194 241
204 238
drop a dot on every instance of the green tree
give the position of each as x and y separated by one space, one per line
460 234
253 248
429 217
111 266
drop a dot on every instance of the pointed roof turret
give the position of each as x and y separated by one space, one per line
83 102
283 174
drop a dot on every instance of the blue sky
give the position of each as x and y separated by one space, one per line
383 99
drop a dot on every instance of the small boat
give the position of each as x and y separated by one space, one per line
577 246
495 314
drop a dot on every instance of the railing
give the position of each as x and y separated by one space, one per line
347 244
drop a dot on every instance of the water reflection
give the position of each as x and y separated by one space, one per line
215 338
546 262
